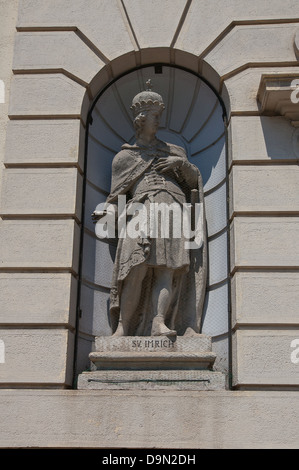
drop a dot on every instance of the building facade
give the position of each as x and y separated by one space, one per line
229 73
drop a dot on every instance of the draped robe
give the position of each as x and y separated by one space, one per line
189 282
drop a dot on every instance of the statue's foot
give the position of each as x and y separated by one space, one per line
119 331
190 332
160 329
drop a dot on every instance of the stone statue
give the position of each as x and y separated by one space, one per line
158 286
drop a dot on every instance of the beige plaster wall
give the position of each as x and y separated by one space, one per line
8 20
64 52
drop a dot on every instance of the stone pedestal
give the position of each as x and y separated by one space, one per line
146 362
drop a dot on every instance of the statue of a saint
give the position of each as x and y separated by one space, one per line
158 285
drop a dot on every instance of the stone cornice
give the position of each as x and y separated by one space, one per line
277 96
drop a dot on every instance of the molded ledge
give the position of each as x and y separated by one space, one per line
198 360
277 96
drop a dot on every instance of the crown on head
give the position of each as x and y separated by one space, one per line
146 100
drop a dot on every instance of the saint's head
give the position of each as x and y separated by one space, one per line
147 108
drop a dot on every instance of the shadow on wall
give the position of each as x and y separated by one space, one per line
281 138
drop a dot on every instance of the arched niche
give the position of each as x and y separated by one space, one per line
194 118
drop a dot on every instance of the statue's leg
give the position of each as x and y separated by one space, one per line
130 296
162 294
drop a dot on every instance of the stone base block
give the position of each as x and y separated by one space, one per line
154 343
152 363
151 380
152 360
148 352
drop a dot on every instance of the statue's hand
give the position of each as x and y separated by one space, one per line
168 163
97 215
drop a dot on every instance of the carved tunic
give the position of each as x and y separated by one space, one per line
163 248
152 181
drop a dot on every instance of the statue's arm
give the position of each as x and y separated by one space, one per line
188 172
111 202
112 208
179 163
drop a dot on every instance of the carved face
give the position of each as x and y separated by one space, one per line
151 121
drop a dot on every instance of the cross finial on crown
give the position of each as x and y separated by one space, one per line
147 99
149 84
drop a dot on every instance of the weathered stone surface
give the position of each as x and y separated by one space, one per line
264 189
38 298
39 244
264 357
262 138
264 241
45 141
151 380
41 191
60 50
45 95
41 356
265 298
